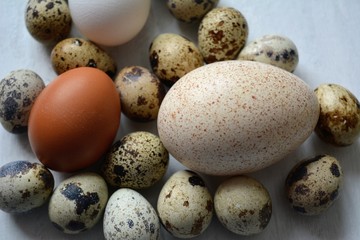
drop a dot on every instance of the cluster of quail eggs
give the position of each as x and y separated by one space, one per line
185 206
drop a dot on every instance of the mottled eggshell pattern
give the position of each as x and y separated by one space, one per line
141 93
185 205
314 184
18 91
24 186
78 202
172 56
234 117
76 52
128 215
222 34
276 50
243 205
190 10
137 161
48 21
339 121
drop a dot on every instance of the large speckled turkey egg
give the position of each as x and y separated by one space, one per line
185 205
78 202
24 186
235 117
128 215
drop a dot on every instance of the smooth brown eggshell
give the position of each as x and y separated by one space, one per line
75 119
235 117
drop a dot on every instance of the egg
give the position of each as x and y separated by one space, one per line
189 10
18 91
128 215
110 22
75 119
24 186
172 56
339 121
243 205
233 117
185 205
276 50
78 203
141 93
137 161
314 184
48 21
77 52
222 34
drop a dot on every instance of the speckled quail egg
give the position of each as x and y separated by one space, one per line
314 184
141 93
78 202
137 161
185 205
24 186
77 52
339 121
172 56
276 50
128 215
18 91
190 10
243 205
222 34
48 21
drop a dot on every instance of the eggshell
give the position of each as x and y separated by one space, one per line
243 205
339 121
137 161
75 119
78 203
314 184
24 186
18 91
234 117
185 205
128 215
110 22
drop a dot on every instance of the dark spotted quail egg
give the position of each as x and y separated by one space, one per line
339 120
18 91
78 202
48 21
185 205
243 205
314 184
137 161
24 186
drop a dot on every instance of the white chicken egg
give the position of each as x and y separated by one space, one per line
109 22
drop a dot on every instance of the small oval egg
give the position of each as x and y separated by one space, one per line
141 93
172 56
189 10
48 21
18 91
137 161
185 205
75 119
128 215
243 205
233 117
78 203
24 186
276 50
314 184
77 52
339 121
222 34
